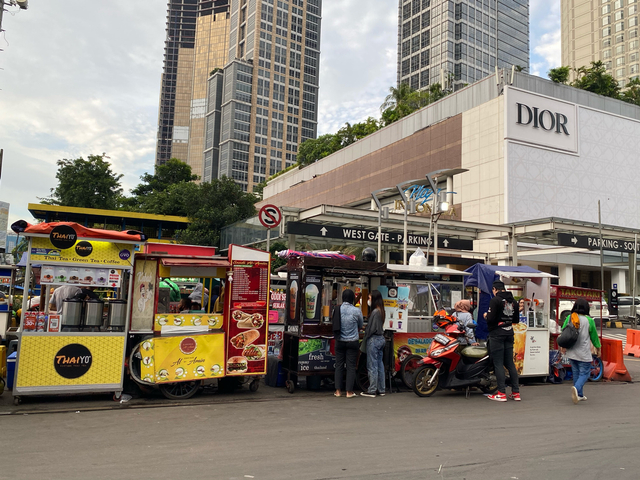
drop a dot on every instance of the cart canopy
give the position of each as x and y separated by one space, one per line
483 276
195 262
130 236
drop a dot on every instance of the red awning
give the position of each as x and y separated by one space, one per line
84 232
195 262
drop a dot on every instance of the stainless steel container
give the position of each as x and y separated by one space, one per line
93 313
71 312
117 315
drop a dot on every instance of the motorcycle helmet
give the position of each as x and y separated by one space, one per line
369 255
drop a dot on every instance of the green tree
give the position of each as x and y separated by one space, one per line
209 207
632 93
559 75
276 262
312 150
596 79
86 183
352 133
404 100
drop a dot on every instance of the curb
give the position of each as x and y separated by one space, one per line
614 325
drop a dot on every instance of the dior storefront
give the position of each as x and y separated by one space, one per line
523 152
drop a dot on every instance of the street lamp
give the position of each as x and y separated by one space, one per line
382 212
408 205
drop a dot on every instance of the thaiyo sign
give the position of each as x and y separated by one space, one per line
541 121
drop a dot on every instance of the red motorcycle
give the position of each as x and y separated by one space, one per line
451 365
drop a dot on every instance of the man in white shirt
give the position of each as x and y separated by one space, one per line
60 295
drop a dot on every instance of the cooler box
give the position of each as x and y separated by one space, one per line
11 369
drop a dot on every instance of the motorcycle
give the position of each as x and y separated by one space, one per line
451 365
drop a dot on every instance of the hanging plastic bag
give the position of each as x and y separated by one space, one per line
418 258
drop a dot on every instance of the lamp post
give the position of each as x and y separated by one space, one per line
381 212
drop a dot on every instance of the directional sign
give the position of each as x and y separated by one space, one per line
593 242
270 216
395 238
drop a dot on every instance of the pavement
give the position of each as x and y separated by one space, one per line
271 434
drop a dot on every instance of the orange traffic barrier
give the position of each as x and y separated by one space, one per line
614 368
632 347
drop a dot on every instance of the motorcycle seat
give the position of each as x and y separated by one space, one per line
474 352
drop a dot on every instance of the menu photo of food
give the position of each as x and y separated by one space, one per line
247 320
101 275
254 352
237 365
243 339
47 274
62 275
87 276
74 275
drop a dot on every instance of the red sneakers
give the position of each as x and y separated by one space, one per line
498 397
515 396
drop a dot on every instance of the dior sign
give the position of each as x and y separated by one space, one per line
544 119
540 120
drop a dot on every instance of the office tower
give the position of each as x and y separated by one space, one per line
196 43
265 102
458 42
605 30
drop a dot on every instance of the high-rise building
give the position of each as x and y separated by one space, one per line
265 102
457 42
196 44
604 30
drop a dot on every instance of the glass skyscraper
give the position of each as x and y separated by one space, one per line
454 42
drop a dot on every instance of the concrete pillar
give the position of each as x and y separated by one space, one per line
619 277
565 272
291 242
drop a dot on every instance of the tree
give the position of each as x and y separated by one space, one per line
632 92
276 262
86 184
596 79
209 207
559 75
404 100
312 150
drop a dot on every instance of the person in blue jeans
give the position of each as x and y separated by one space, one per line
374 338
347 343
580 353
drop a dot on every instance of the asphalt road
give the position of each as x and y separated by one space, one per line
312 435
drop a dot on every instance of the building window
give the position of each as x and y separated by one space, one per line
606 43
619 49
620 72
415 64
606 9
633 33
619 4
633 21
619 15
415 81
619 27
424 78
606 53
605 31
619 61
620 38
633 68
606 20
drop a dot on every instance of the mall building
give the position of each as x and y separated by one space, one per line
526 163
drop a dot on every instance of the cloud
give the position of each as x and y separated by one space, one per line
545 36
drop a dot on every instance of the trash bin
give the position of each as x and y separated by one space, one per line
11 369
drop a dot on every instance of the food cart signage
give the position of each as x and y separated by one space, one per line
63 236
395 238
314 354
572 293
73 361
91 253
247 323
88 276
593 243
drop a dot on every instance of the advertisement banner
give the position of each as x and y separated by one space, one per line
182 358
275 339
86 276
293 302
314 354
144 284
396 303
312 298
277 305
247 327
106 254
52 361
405 344
4 223
535 360
186 320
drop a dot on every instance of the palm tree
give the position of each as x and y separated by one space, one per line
397 97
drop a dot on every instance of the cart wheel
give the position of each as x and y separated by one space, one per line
17 401
597 369
180 390
254 385
291 387
408 368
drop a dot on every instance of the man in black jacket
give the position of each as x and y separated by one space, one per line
502 314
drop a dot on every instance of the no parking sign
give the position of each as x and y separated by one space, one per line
270 216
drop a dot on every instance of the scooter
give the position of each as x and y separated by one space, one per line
451 365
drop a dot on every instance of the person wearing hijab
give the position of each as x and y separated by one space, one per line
463 316
580 354
199 297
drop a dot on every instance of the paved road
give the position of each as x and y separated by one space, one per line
312 435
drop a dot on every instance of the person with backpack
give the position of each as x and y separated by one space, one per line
580 353
502 314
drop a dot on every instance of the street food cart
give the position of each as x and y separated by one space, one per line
315 283
531 342
82 350
178 351
7 280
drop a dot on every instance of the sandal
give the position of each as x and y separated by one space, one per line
337 394
351 396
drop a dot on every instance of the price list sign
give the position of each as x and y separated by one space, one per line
247 347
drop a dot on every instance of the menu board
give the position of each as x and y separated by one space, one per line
144 284
89 276
106 254
247 331
293 290
396 302
312 299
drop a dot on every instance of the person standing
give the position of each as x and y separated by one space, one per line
502 314
60 294
580 354
463 316
374 340
347 344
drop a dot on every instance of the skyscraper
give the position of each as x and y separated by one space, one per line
605 30
196 43
443 41
265 102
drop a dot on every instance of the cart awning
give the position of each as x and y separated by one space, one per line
525 274
428 270
195 262
129 236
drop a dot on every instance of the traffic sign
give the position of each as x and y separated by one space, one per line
593 242
270 216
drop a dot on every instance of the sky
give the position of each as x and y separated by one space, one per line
82 77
